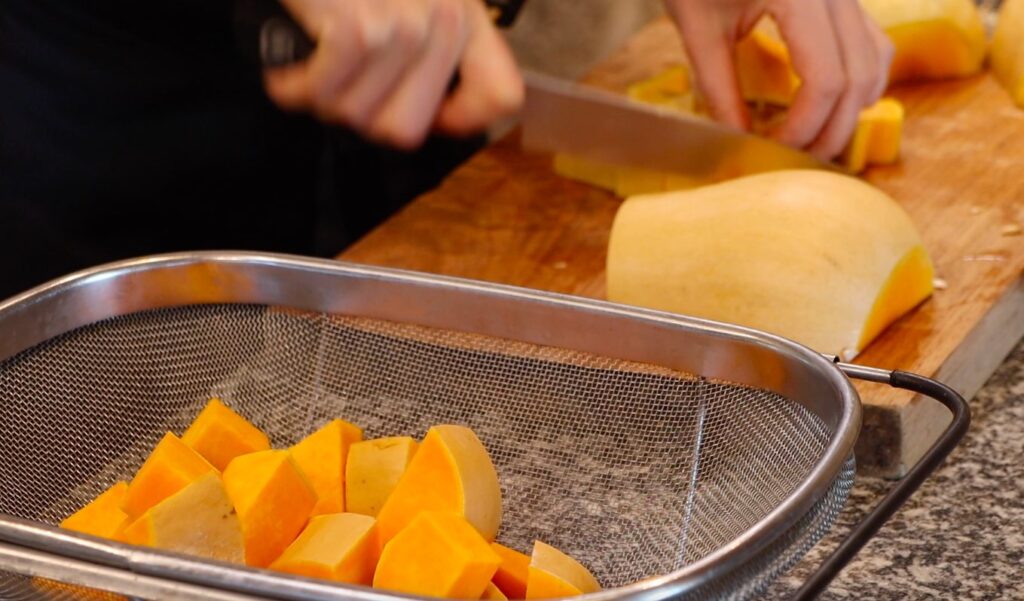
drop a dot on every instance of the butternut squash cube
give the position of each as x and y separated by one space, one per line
171 466
670 87
1007 55
555 574
322 456
513 572
934 39
373 470
342 547
763 69
219 435
493 593
439 554
197 520
876 140
451 471
273 501
103 516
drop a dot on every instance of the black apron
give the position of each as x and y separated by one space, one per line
129 128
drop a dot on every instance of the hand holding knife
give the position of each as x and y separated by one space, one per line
382 67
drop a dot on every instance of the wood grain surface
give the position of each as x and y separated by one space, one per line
506 217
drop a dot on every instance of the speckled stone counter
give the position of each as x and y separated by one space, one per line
961 536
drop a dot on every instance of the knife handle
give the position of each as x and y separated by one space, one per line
269 36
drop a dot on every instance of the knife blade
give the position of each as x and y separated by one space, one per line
566 117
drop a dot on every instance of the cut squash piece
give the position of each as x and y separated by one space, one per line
439 554
171 466
451 471
513 572
670 87
493 593
342 547
1007 55
763 68
103 516
197 520
373 470
321 456
273 500
554 574
876 140
219 435
933 39
821 258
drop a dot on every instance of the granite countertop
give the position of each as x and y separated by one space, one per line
961 536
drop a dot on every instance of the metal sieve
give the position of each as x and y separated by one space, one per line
674 457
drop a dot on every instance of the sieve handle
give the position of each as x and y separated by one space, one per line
902 491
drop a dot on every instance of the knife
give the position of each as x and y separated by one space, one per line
566 117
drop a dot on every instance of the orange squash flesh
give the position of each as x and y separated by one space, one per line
273 500
103 516
171 466
439 554
493 593
451 471
343 547
219 435
513 572
910 283
322 456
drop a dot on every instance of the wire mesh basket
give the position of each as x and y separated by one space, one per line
674 457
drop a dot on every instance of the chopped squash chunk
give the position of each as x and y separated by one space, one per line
555 574
1007 55
373 470
171 466
493 593
219 435
451 471
103 517
934 39
273 501
342 547
321 456
763 68
198 520
876 140
438 554
513 572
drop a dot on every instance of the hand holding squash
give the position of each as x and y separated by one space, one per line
840 54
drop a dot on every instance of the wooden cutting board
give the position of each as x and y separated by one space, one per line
504 216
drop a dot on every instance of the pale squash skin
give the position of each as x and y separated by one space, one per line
554 574
802 254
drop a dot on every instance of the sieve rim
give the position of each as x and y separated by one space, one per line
239 277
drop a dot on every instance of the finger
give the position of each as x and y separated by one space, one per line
885 51
388 58
861 65
314 83
406 117
490 85
709 47
815 54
